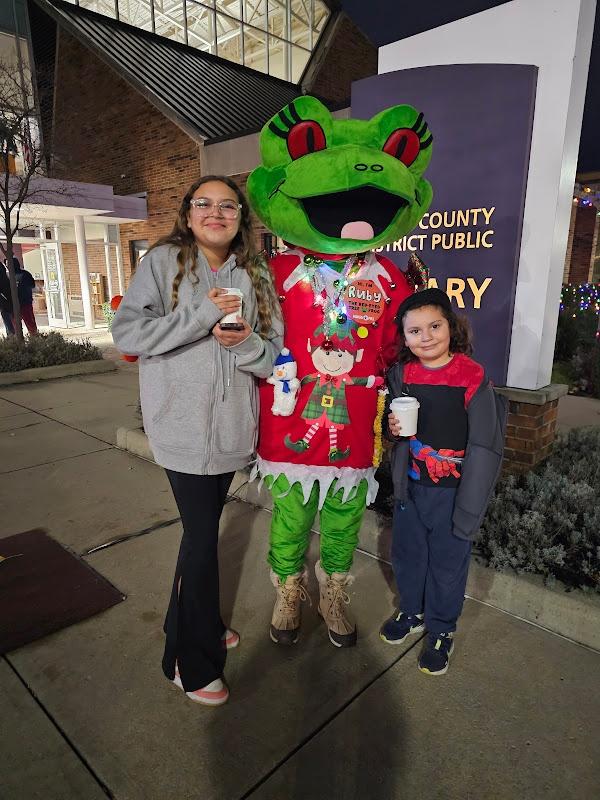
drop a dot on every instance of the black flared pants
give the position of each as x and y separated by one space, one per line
193 625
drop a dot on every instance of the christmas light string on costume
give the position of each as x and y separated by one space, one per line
335 313
351 298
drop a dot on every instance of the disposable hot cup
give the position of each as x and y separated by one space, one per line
406 411
230 321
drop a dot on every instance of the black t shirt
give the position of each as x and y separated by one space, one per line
442 428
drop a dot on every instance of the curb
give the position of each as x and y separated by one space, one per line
573 614
135 441
58 371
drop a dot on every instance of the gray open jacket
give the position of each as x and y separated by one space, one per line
199 399
481 465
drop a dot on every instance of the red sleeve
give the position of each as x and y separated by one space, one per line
281 266
390 346
474 375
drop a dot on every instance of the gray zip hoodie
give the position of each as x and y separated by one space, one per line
199 399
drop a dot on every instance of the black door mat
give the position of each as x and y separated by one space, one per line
44 587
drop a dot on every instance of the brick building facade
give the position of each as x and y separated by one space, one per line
111 134
583 244
106 131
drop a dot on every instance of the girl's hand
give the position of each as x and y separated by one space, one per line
394 425
227 303
231 338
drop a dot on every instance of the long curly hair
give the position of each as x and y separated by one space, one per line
243 246
461 335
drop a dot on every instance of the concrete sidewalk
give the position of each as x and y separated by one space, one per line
86 712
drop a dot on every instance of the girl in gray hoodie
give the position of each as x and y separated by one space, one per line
198 388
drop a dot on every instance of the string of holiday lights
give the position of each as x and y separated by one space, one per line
587 196
580 298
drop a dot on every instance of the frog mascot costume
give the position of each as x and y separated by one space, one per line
333 190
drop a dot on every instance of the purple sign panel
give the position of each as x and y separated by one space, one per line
481 117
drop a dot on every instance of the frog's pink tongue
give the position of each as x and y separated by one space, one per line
357 230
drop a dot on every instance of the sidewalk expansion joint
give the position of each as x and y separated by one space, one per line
59 730
58 460
48 418
128 536
309 737
156 527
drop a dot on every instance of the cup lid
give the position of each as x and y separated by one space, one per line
409 402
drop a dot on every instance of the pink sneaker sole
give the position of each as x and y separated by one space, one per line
231 639
204 697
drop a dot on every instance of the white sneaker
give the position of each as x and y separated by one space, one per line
231 639
213 694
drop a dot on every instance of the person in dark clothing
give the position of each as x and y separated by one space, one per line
6 307
443 475
25 287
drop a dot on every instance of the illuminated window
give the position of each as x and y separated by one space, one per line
272 36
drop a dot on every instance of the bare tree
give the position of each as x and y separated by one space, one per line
21 159
23 163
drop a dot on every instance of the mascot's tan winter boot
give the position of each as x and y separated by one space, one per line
333 603
285 623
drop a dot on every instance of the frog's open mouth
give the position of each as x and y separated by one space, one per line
362 213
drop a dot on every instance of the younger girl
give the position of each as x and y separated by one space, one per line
443 476
199 399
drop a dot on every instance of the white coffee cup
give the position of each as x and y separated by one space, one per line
406 411
230 321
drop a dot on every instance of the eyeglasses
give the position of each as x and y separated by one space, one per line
227 208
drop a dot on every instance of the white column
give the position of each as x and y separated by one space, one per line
120 267
61 276
107 259
88 314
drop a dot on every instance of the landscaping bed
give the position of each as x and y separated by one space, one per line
46 356
44 350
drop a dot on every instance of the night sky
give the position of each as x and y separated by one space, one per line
411 17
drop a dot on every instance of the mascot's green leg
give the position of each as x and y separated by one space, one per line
340 524
290 531
290 526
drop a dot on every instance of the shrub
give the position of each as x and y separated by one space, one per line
576 351
108 314
595 369
563 372
568 335
547 521
586 365
44 350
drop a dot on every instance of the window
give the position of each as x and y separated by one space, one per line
137 249
274 36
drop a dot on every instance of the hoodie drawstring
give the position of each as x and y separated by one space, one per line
225 379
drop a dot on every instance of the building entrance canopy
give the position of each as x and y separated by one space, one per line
59 210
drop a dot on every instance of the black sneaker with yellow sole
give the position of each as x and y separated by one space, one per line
436 654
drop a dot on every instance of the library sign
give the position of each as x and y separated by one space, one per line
481 117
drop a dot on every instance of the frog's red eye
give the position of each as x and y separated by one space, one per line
304 138
403 144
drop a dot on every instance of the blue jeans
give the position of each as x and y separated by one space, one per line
430 563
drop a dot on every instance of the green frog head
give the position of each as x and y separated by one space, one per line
341 186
